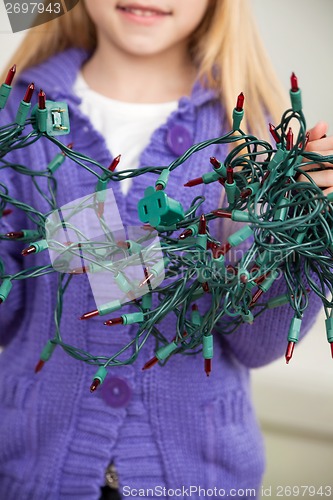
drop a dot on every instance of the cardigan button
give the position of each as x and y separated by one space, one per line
179 139
116 392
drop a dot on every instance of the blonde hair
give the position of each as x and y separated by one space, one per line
227 38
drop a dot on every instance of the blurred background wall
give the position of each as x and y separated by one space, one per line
294 402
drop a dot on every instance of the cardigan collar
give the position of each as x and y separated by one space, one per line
57 75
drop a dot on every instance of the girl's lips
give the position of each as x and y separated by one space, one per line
141 13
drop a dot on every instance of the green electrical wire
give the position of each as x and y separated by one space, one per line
284 224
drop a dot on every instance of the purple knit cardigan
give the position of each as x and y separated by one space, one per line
179 428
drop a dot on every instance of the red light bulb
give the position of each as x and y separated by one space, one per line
10 75
90 314
41 99
194 182
150 363
208 367
95 384
15 235
294 83
216 164
289 351
115 321
185 234
230 175
114 163
202 225
240 102
223 214
28 251
290 140
274 134
29 93
39 366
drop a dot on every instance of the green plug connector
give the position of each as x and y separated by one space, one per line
159 267
253 187
22 113
201 240
147 302
164 229
166 350
232 192
129 319
217 174
40 245
282 211
277 159
5 288
4 94
329 332
330 197
207 346
36 247
163 178
268 282
45 355
123 283
109 307
294 329
99 378
218 263
240 216
134 248
102 184
278 301
239 236
41 117
96 267
237 117
248 317
56 162
296 100
265 258
329 329
156 208
48 351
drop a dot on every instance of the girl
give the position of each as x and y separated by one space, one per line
146 79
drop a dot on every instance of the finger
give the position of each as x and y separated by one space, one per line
318 166
323 178
318 131
328 191
320 145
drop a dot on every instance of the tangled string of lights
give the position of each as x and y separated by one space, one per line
288 224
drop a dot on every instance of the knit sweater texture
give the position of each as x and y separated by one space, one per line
180 428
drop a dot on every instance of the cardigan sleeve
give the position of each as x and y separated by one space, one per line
265 340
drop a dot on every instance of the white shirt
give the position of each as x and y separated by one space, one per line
126 127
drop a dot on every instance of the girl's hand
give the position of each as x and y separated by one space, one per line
319 143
